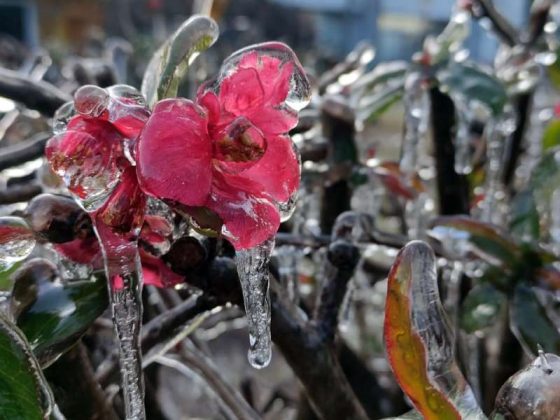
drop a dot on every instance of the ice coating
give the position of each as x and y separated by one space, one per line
91 101
124 274
497 133
420 342
16 241
299 93
252 267
463 138
62 117
416 121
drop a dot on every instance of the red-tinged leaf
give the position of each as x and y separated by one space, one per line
406 349
485 240
397 182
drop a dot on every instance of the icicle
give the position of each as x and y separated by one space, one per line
417 214
288 257
16 241
252 267
542 112
497 136
124 275
416 104
463 137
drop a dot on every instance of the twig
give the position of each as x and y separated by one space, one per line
75 388
23 152
503 28
342 258
37 95
158 330
453 188
237 404
20 193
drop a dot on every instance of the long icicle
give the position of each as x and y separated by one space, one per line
124 275
252 267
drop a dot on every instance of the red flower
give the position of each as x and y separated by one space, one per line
90 155
229 152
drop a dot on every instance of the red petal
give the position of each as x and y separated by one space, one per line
241 92
174 153
274 120
278 171
156 273
250 218
274 75
81 251
88 156
124 209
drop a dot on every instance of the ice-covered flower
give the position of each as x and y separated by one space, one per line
229 151
92 153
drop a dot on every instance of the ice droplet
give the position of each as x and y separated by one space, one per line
62 116
252 267
91 101
16 241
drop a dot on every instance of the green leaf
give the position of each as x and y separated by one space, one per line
524 223
551 136
473 83
545 180
59 314
481 308
554 71
530 323
372 107
21 380
485 240
171 62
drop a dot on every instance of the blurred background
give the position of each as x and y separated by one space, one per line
323 30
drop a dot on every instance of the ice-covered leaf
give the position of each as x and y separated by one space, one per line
397 182
545 180
171 62
524 222
52 315
551 136
21 382
530 324
485 240
419 340
473 83
481 308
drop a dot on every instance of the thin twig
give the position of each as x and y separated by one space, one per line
503 28
23 152
38 95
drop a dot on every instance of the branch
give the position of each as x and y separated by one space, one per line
342 258
23 152
37 95
453 189
503 28
20 193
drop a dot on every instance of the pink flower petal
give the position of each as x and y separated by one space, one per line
124 209
89 156
241 92
82 251
278 171
156 273
249 218
174 153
